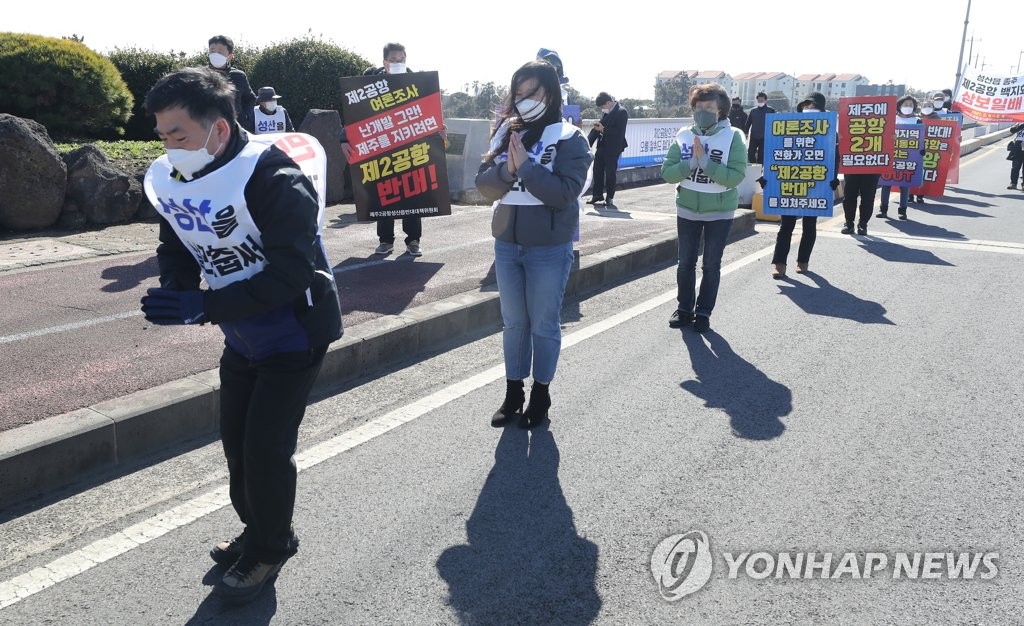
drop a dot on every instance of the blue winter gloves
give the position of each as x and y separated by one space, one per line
169 307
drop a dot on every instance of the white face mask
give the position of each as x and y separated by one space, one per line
218 60
188 162
907 110
810 110
927 110
396 68
938 103
530 110
270 106
761 104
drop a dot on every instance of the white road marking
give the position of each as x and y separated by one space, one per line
66 567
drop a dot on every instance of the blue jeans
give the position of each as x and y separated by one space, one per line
904 194
715 235
531 285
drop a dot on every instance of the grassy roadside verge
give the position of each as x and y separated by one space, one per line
133 157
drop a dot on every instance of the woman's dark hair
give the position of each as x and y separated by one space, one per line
912 100
203 92
711 92
547 79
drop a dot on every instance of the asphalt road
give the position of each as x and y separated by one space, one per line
870 406
72 334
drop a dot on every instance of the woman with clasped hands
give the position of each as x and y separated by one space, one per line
709 161
534 170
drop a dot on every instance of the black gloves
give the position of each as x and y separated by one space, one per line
834 184
168 307
762 181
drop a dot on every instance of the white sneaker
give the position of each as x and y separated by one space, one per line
384 248
413 248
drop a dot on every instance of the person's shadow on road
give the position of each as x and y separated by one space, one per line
524 562
890 251
125 277
754 403
824 298
214 610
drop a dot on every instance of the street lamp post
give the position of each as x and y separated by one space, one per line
1017 71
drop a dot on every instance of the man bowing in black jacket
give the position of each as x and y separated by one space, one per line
610 134
239 213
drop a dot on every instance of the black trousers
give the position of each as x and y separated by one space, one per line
859 187
784 238
605 167
261 406
755 151
411 226
1016 163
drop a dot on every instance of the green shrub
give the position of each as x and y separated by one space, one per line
140 70
63 85
305 73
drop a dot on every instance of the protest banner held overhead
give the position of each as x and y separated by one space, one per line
799 163
989 98
865 134
393 123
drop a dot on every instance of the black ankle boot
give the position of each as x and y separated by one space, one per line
513 404
537 411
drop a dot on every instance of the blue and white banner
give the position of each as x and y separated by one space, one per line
799 163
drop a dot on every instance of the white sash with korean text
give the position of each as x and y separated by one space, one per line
543 153
268 123
715 146
211 217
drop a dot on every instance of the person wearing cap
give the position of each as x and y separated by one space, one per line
754 128
268 117
222 52
814 102
737 116
552 57
930 110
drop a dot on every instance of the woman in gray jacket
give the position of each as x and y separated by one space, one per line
535 172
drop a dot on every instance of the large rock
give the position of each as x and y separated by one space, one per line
146 210
33 177
325 125
104 193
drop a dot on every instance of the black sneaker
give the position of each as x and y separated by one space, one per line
903 215
595 201
701 323
847 229
882 213
227 552
862 229
678 319
246 579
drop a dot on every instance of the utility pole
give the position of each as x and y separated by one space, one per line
970 53
963 40
1018 62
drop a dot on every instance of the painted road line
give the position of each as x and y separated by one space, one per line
66 567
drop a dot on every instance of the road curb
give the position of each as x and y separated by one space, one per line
62 450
